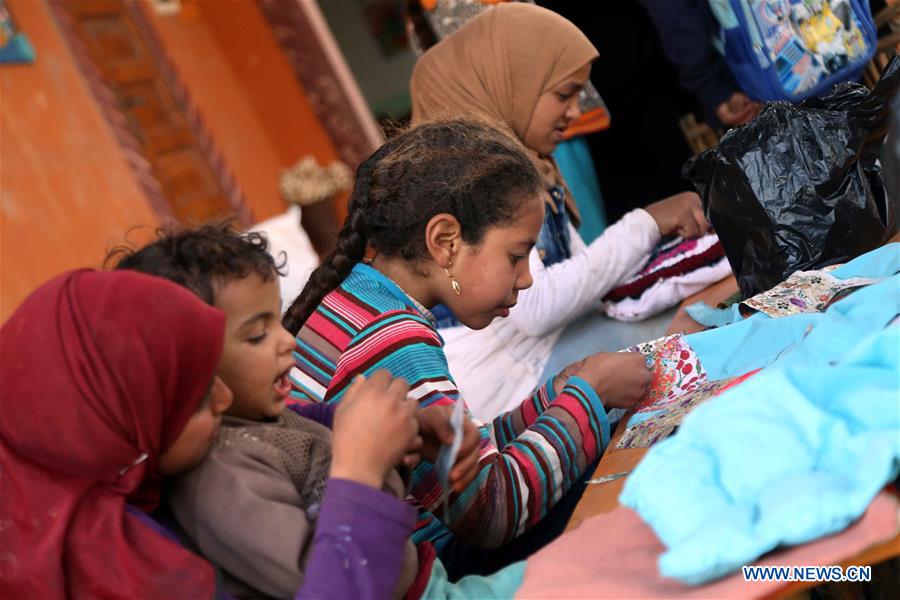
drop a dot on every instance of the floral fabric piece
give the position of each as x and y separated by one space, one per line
679 384
675 368
805 292
662 424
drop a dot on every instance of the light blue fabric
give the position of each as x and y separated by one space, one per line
705 314
882 262
502 584
759 340
577 167
796 452
740 347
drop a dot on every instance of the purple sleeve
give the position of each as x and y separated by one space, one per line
317 411
152 523
359 544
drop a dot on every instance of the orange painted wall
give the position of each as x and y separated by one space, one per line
247 94
67 192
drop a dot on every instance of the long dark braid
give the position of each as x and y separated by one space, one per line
349 249
468 169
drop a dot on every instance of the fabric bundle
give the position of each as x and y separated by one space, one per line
676 269
796 452
784 467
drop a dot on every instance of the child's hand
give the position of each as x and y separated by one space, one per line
681 214
374 428
435 429
619 378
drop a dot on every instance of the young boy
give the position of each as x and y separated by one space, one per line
265 489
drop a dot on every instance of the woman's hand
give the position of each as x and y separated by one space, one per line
435 429
619 378
375 428
737 110
681 214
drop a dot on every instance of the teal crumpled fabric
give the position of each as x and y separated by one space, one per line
705 314
796 452
881 262
759 341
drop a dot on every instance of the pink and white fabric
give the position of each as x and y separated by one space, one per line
677 269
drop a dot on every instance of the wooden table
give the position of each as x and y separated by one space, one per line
604 497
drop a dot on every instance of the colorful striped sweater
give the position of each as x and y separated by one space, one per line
530 456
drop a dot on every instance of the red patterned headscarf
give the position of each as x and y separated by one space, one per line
100 373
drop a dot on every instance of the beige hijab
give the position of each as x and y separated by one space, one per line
496 67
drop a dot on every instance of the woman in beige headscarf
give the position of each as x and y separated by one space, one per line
522 67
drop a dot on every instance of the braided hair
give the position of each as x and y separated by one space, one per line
468 169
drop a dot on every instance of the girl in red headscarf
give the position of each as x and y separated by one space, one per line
108 384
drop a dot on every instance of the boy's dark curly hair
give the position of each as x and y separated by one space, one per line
464 168
200 259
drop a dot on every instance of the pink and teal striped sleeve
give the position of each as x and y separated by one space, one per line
529 458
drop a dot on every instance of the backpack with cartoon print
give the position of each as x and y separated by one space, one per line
794 49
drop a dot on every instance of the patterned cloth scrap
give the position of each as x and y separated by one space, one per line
676 269
872 266
679 384
529 457
645 433
806 292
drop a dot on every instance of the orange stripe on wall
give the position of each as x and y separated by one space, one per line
67 192
247 93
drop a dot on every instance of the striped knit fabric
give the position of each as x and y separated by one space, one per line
529 456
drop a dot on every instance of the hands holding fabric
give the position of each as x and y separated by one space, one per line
436 430
619 378
375 429
681 214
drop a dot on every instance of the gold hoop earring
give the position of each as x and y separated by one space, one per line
454 284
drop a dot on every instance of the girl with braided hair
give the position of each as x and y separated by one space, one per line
494 68
447 213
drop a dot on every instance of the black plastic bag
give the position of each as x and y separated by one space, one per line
800 187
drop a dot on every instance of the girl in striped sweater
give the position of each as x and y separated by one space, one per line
447 213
